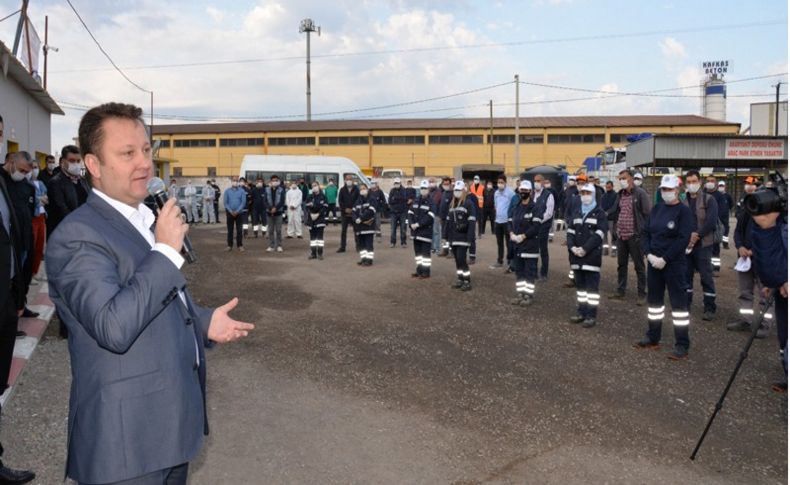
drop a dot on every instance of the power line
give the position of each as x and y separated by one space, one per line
105 52
625 35
10 15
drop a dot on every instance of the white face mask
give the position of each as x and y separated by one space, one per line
36 171
363 193
259 185
17 176
749 188
457 193
349 183
638 182
587 199
29 175
477 181
501 186
432 185
710 185
75 169
397 186
722 189
669 196
423 192
51 166
624 183
316 190
571 183
692 188
275 183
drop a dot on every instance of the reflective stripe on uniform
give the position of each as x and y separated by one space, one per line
746 311
530 255
571 231
600 234
581 296
593 299
530 288
655 313
712 295
586 267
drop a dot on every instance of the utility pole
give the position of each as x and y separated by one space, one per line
491 128
308 26
776 117
151 136
46 48
518 157
22 20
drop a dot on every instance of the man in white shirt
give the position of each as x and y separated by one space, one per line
293 200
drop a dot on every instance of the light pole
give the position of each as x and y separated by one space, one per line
308 26
518 155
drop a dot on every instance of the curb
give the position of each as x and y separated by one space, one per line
38 301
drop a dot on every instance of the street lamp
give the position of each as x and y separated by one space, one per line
308 26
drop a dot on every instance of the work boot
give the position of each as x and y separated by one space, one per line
341 250
647 343
606 251
518 299
416 274
708 316
312 256
467 286
576 319
641 300
11 476
256 234
739 326
457 284
527 301
726 245
678 353
588 323
613 253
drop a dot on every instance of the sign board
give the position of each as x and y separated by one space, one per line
757 149
719 68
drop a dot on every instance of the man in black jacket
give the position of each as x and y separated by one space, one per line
489 211
49 171
347 196
607 202
67 190
399 200
11 302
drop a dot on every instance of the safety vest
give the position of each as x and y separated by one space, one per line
478 193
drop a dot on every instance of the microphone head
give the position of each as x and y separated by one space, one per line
155 186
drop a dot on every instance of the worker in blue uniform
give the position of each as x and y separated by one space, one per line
420 220
317 209
722 189
570 205
525 225
587 229
701 245
665 237
364 216
723 213
459 230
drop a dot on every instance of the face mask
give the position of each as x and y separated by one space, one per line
477 181
349 183
587 199
624 183
363 193
710 185
432 185
722 189
446 187
669 196
501 186
51 166
749 188
638 182
693 188
546 186
17 176
457 193
538 187
489 186
35 172
75 169
316 190
259 185
524 195
29 175
275 183
571 183
423 192
397 186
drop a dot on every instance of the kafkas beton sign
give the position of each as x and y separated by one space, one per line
754 149
716 67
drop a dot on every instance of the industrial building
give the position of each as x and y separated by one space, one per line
26 108
419 147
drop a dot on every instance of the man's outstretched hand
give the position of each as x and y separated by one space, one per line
225 329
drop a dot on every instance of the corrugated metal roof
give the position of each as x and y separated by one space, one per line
443 123
20 74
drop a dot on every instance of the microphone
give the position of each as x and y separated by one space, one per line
157 190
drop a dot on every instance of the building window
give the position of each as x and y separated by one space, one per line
618 138
177 172
455 139
343 140
163 143
200 143
576 138
522 139
241 142
419 171
292 141
399 140
211 171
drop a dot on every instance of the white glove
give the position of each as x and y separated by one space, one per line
513 237
578 251
358 221
660 263
520 238
414 226
314 216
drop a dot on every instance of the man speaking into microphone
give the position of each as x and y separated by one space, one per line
137 412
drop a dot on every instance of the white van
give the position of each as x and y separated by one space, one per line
294 167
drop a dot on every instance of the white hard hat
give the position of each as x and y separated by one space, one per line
525 185
459 185
669 182
424 184
587 188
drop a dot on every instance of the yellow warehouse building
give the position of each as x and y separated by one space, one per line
419 147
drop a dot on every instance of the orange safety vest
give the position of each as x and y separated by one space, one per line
478 193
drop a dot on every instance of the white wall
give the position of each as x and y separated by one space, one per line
763 119
26 122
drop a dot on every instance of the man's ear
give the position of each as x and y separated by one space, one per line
92 165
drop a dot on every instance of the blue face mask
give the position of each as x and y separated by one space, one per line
586 208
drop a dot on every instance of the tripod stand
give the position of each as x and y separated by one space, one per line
742 356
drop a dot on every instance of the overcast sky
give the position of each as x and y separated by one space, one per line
597 45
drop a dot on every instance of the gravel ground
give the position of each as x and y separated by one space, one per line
363 375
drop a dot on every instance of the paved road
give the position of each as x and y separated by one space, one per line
363 375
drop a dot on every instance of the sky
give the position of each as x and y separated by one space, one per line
380 53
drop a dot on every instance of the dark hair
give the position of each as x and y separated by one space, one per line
64 152
609 182
692 173
502 178
629 172
274 177
91 133
1 119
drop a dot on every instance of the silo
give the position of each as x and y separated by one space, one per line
714 104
